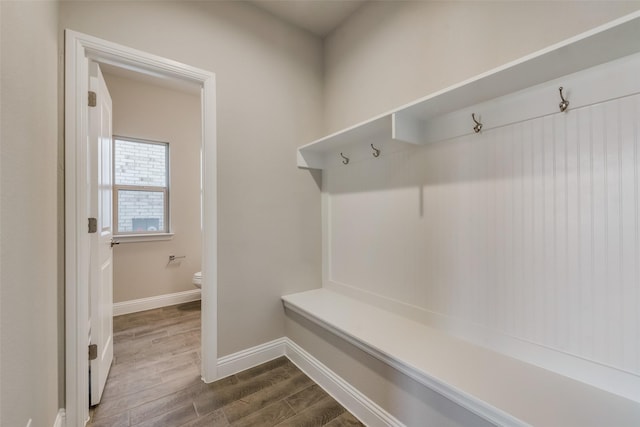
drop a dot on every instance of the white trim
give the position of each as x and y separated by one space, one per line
250 357
209 215
363 408
79 49
607 378
608 42
60 419
476 378
489 413
344 393
76 239
143 304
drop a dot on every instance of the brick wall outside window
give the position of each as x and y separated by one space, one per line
140 164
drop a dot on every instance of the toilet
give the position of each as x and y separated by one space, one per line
197 279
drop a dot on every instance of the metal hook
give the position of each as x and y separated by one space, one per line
376 152
478 127
345 159
564 104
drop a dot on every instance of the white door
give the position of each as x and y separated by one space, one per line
101 257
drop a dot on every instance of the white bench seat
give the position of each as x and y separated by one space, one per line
501 389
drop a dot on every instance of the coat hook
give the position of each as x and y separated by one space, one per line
564 104
345 159
376 152
478 127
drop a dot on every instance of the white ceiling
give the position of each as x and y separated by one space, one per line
320 17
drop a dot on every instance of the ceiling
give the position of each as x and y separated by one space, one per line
320 17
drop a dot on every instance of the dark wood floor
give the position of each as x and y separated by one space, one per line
155 381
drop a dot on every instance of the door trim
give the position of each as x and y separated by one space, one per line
79 49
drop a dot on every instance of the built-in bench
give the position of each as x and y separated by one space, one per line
499 388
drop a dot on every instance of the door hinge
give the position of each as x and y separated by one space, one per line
93 99
93 351
93 225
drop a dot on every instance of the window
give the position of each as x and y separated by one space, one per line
141 186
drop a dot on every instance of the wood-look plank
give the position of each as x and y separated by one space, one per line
269 416
160 347
136 320
307 397
142 369
137 323
262 368
212 419
167 311
211 400
174 400
113 406
157 352
125 344
344 420
170 402
263 398
172 418
316 415
118 420
125 386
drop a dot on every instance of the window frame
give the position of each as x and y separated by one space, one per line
132 236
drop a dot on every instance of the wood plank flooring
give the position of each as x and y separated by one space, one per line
155 381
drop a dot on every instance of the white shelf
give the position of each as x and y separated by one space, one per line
499 388
378 129
612 41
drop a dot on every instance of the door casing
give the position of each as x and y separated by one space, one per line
79 49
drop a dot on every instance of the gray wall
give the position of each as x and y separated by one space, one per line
269 93
29 308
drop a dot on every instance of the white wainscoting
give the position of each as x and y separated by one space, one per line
353 400
142 304
530 231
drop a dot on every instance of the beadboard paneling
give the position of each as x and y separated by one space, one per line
530 230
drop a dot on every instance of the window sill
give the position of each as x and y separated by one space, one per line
136 238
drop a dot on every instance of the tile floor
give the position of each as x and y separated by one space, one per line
155 381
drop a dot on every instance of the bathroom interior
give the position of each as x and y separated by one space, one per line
157 256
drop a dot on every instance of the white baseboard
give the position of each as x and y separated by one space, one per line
353 400
142 304
366 410
245 359
60 419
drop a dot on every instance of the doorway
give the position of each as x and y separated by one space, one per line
80 50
